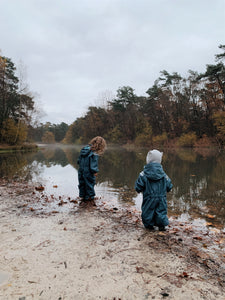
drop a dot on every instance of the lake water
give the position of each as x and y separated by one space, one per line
198 177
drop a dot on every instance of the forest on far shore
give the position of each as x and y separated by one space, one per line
177 111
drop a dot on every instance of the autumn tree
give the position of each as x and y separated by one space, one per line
48 138
125 110
176 107
10 133
219 122
221 56
8 88
16 104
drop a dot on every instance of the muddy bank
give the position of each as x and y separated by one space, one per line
101 252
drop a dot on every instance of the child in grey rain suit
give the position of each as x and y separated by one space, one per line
154 184
88 167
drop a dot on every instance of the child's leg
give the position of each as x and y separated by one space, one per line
90 183
81 186
148 214
161 217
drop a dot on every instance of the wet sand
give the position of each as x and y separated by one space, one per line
95 252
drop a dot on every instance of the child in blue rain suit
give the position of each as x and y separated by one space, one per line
154 184
88 167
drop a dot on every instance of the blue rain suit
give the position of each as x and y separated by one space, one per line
88 166
154 184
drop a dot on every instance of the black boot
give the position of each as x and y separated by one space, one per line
150 227
162 228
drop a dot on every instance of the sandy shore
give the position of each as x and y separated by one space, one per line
97 252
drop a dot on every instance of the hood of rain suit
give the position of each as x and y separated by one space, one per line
154 171
154 156
88 160
85 151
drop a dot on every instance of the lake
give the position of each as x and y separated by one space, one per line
198 178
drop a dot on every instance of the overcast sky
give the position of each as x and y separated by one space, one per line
77 52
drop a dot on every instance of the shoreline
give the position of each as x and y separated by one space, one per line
26 147
97 252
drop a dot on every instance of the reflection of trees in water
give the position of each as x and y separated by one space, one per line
17 165
120 168
72 154
27 165
52 156
198 181
117 166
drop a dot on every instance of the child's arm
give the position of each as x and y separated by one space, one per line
168 184
94 164
140 183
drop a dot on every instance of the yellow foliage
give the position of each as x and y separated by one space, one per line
114 135
187 139
48 138
145 137
219 122
13 133
160 139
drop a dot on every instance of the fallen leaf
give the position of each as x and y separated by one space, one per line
185 274
140 270
209 224
73 201
161 233
173 231
210 216
222 241
197 238
39 188
164 294
62 202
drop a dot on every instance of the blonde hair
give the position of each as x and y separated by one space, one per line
98 145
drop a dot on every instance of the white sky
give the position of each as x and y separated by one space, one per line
76 51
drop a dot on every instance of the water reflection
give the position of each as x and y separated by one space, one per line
198 178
